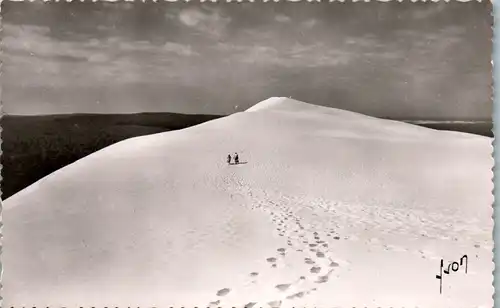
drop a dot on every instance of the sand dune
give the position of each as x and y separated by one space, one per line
329 208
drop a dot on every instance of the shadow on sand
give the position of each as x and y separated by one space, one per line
240 163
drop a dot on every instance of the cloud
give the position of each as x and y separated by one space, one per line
431 10
396 58
282 18
364 42
295 56
209 22
309 24
99 58
320 55
179 49
35 41
31 54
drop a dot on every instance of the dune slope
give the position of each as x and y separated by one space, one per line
328 208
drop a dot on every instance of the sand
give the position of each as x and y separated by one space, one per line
328 208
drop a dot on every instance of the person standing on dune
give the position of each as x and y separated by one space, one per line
236 158
229 159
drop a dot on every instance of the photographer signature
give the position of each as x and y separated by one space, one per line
455 266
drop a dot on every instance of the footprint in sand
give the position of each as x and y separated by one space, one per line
320 254
250 305
300 294
309 261
313 245
223 292
281 249
296 295
217 302
274 304
324 278
283 287
315 269
254 274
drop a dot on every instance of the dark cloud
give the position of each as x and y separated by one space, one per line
394 59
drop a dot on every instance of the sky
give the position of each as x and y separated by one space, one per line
398 60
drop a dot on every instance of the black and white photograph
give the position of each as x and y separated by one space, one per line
247 154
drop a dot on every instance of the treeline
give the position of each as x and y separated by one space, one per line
35 146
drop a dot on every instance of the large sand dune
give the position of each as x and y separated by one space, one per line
329 208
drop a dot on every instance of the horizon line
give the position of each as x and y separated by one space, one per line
420 120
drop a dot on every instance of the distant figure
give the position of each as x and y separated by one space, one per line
236 159
229 158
